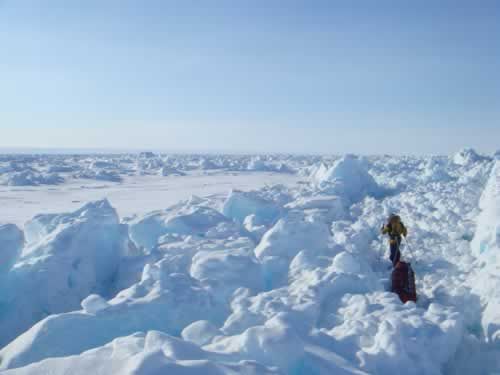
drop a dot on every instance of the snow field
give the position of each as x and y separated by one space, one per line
280 280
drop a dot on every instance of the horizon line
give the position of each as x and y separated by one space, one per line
26 150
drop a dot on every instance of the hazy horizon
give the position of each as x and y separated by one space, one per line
118 151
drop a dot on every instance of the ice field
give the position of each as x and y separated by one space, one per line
132 196
220 264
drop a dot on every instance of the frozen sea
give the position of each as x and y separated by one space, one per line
135 195
223 264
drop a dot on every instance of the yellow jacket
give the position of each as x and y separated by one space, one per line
394 229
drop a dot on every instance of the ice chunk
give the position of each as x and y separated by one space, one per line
332 205
257 164
94 303
287 238
487 236
150 165
486 246
255 226
291 234
74 255
187 219
318 172
239 205
42 225
347 178
468 156
11 243
201 332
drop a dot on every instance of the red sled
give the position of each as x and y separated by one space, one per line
403 282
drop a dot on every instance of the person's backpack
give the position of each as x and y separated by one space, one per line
403 282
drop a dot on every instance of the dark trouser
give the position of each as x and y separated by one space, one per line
395 252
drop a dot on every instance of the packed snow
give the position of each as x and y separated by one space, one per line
273 264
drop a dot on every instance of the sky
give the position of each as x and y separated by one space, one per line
401 77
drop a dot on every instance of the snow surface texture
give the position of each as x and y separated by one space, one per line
279 280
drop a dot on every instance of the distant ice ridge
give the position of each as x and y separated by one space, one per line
99 174
257 164
468 156
168 171
31 170
29 178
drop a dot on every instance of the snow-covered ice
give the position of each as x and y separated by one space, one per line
216 264
486 246
134 195
66 258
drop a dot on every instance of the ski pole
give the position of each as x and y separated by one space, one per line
411 250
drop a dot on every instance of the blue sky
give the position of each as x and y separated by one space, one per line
243 76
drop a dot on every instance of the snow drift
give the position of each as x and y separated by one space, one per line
143 354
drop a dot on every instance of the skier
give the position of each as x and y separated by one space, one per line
395 229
